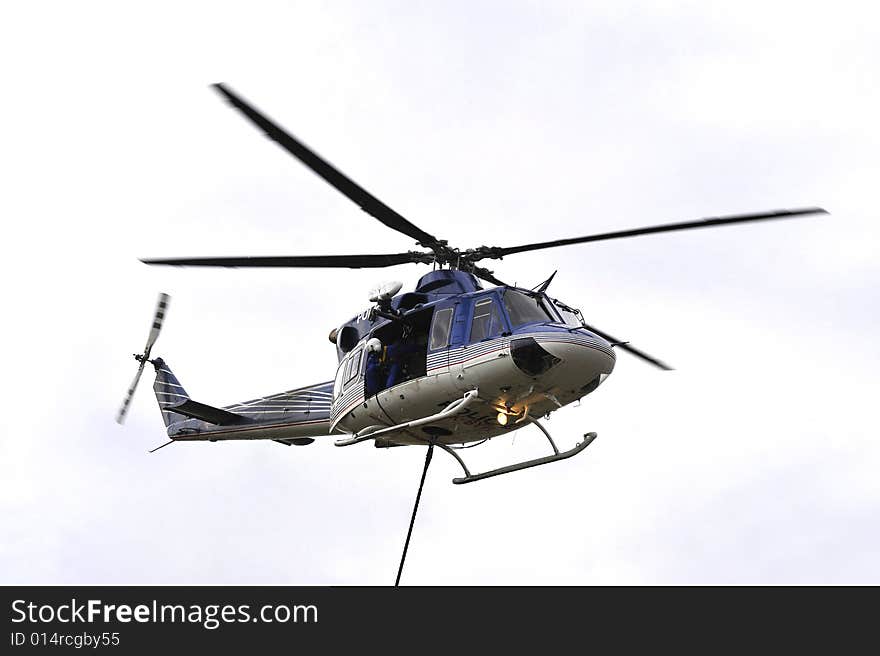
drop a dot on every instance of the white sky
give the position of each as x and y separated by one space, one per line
485 123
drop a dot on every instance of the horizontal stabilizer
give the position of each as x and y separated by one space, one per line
208 413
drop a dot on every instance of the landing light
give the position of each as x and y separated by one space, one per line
502 418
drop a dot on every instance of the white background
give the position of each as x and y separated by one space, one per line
484 123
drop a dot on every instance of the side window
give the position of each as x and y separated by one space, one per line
337 385
354 366
487 320
440 328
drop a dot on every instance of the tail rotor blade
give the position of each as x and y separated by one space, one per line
155 328
158 319
123 410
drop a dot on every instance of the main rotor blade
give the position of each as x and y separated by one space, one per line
318 261
497 252
629 349
367 202
485 274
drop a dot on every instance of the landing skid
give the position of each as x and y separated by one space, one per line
470 478
373 432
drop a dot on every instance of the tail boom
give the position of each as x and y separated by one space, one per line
292 415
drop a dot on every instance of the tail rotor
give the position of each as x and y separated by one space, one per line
158 319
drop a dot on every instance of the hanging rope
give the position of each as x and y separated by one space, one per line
415 510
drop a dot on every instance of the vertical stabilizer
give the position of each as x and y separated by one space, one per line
169 392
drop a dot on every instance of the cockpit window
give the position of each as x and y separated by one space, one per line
569 315
524 308
570 319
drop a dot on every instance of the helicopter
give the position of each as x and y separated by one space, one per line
451 363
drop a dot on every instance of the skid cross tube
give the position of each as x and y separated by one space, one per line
557 455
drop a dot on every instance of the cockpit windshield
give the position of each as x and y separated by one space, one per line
525 308
570 316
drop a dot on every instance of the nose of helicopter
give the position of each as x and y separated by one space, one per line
581 358
582 352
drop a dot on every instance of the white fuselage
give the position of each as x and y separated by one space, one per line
583 361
